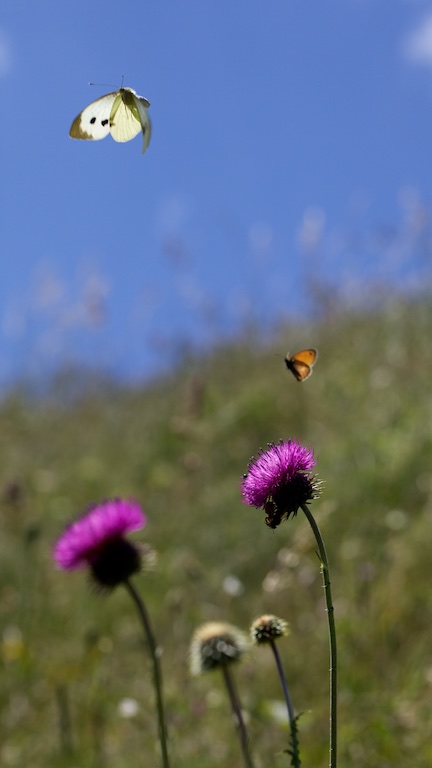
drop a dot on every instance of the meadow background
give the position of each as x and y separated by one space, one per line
180 445
146 305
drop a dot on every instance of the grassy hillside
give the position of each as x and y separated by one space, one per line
180 446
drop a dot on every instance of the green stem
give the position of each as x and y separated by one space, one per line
332 634
157 674
291 716
64 719
235 704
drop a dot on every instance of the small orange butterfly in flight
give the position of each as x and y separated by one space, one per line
301 363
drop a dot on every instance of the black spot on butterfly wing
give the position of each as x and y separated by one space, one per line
103 122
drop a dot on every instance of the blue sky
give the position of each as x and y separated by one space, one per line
291 139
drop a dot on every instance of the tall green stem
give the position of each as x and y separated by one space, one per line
332 634
235 704
295 754
157 674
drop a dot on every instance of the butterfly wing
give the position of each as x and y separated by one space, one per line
300 370
94 121
306 356
301 363
141 105
129 117
124 124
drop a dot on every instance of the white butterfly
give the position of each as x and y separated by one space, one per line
123 114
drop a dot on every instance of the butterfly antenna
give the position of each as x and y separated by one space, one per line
108 85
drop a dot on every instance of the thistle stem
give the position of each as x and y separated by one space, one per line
235 704
332 633
157 674
64 719
291 716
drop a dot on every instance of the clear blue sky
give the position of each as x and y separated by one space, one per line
275 123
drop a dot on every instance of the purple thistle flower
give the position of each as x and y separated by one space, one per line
97 540
279 480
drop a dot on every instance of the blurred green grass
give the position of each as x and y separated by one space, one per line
180 446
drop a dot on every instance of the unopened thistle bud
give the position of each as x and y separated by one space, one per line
216 644
268 628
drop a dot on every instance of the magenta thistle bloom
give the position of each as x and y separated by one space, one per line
280 480
97 540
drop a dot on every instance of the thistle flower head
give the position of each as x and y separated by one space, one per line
267 628
96 540
279 480
215 644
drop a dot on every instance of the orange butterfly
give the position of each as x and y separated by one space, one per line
301 363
